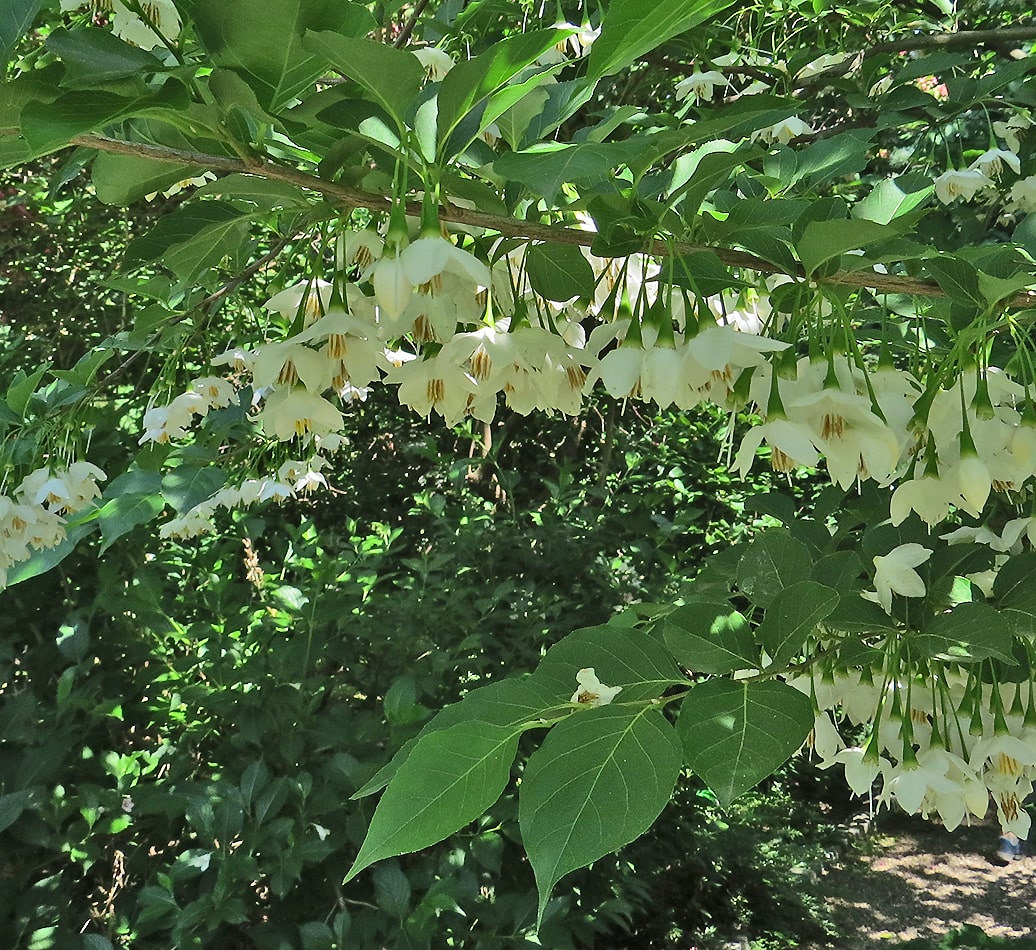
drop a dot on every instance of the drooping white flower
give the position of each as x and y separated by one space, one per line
792 445
437 63
894 573
591 691
1010 131
821 64
991 162
700 86
783 131
216 390
960 183
1023 194
296 412
311 296
928 496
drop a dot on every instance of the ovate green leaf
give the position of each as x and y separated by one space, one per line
510 702
631 29
773 561
52 125
629 657
11 807
967 633
822 241
16 17
792 617
123 513
736 734
189 485
598 782
391 77
450 778
711 638
122 179
262 41
92 56
470 83
545 168
559 272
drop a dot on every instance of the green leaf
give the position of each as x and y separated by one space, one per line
509 702
736 734
16 17
968 633
773 561
11 807
123 179
630 30
856 615
472 82
253 780
392 889
192 238
190 485
957 277
710 170
834 157
704 273
994 289
123 513
887 201
599 781
263 41
840 570
96 942
48 126
546 167
1015 584
559 272
822 241
21 389
450 778
711 638
629 657
368 64
792 617
93 56
515 106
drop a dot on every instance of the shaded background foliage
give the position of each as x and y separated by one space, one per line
181 726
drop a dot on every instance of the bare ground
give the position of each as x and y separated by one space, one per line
919 880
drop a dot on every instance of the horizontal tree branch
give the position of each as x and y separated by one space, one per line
962 39
509 227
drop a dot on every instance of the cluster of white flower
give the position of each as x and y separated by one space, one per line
170 423
128 25
983 173
939 744
293 478
883 425
35 517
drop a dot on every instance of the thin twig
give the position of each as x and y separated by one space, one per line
512 227
961 39
250 271
408 28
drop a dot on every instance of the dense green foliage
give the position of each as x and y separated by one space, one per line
347 720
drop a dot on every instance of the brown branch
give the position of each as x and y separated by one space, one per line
961 39
511 227
408 28
250 271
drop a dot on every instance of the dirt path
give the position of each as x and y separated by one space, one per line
919 880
